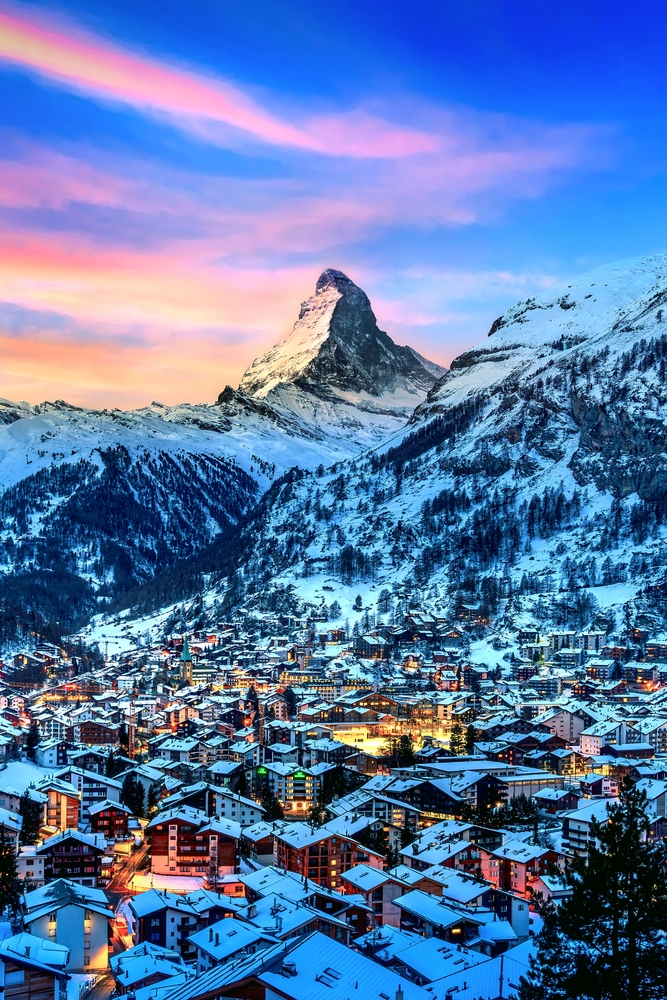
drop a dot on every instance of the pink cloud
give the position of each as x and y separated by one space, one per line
63 53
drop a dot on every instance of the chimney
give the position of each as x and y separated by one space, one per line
399 993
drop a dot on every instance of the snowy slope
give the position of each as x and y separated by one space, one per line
537 464
95 503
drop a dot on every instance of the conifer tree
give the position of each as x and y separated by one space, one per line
471 736
290 702
152 800
405 750
242 783
457 739
607 941
9 880
316 816
31 812
32 741
272 807
132 794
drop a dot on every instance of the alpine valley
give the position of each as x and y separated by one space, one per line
530 476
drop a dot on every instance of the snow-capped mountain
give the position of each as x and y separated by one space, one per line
536 465
103 500
337 352
337 374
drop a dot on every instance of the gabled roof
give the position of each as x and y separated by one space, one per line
144 960
108 804
432 958
182 814
436 910
63 892
90 775
10 820
154 900
229 936
36 953
89 839
239 970
327 970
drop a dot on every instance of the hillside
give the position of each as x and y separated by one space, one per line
94 504
534 470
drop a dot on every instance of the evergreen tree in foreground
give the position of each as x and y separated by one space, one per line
607 941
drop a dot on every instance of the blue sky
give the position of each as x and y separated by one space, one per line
173 179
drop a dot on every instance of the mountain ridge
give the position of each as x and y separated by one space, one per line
536 469
336 349
108 499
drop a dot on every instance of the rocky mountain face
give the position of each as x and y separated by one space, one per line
102 501
336 351
337 378
535 470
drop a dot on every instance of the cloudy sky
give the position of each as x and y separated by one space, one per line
174 176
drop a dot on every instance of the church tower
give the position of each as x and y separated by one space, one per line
185 663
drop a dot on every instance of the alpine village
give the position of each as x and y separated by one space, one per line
375 707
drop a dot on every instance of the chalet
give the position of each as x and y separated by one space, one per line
434 797
91 786
312 967
259 840
144 966
652 730
379 889
319 854
73 915
514 866
97 733
373 647
10 827
215 801
656 792
293 786
186 841
348 910
110 819
577 824
189 750
30 866
592 640
429 916
640 672
228 940
167 919
556 800
598 735
74 856
32 968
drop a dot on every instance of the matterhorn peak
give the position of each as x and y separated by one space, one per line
336 350
331 278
